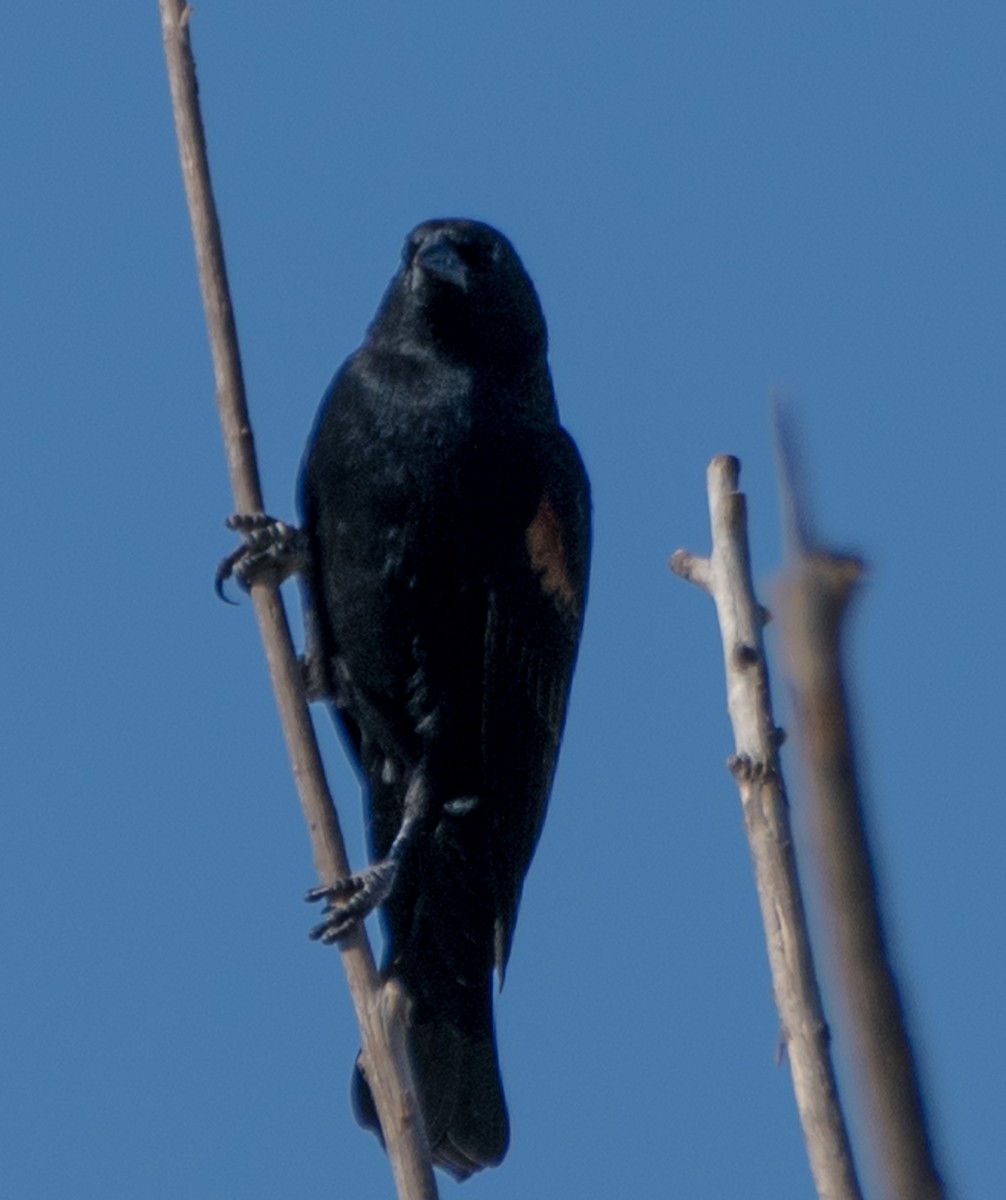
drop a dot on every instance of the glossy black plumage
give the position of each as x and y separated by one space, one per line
447 524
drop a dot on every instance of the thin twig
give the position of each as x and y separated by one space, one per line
814 602
380 1014
726 575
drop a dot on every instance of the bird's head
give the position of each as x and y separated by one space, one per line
462 285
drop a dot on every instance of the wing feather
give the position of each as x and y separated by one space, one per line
535 612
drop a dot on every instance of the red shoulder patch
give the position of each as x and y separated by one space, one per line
548 557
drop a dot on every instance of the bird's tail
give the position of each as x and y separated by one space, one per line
440 926
460 1094
440 949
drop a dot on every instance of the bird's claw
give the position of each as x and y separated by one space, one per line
270 549
349 900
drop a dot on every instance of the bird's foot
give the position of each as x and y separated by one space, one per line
270 550
349 900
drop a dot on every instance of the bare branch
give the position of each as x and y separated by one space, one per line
380 1015
814 602
726 575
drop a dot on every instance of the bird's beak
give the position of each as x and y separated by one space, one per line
439 256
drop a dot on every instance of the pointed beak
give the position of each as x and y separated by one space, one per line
439 256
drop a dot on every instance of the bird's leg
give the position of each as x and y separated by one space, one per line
351 899
269 549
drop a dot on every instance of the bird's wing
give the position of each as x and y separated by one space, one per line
535 614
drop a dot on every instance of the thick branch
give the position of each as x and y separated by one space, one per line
726 575
815 599
378 1011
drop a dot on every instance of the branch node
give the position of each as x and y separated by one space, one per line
746 769
745 656
692 567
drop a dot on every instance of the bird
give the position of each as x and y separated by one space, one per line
445 526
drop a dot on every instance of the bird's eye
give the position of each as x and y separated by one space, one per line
483 255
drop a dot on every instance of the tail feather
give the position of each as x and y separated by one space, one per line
439 921
460 1095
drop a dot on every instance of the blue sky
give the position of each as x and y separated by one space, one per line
715 200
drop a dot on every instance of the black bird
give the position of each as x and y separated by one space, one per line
446 523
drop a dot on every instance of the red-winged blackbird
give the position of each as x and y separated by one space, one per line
446 522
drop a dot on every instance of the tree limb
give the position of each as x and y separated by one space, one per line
814 602
379 1010
726 576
